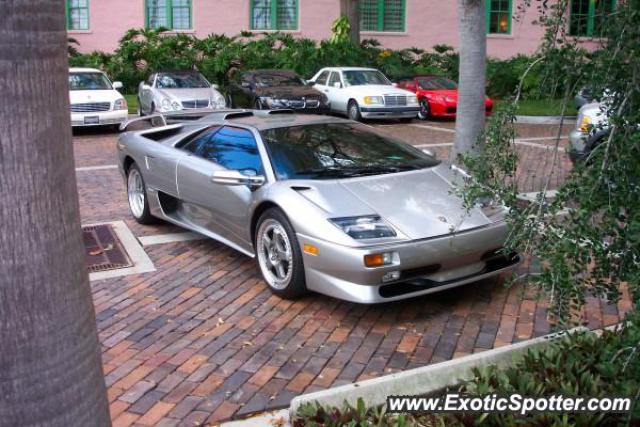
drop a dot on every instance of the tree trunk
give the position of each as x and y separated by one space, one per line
471 91
50 367
351 9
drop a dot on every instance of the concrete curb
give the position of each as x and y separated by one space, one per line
545 120
423 380
274 419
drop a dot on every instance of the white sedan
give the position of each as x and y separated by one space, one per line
95 101
365 93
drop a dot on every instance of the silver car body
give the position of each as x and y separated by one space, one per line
439 244
153 99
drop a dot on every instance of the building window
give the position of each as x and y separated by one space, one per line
382 15
77 14
171 14
274 14
587 17
498 16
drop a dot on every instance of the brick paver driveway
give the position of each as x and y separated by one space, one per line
202 340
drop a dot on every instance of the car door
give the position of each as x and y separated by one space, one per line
321 85
337 92
220 209
146 94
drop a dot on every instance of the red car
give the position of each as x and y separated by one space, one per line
438 96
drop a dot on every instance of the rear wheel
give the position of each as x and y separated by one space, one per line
230 101
137 196
279 255
257 105
423 114
353 111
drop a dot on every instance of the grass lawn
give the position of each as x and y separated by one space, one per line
543 107
132 102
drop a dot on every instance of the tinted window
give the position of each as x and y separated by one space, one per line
278 79
193 144
435 83
365 77
335 78
181 81
339 150
322 78
231 148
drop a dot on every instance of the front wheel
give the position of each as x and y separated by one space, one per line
257 105
279 255
423 114
137 196
353 111
229 101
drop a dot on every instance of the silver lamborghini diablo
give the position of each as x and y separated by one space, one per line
323 204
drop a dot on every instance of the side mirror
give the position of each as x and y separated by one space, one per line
215 86
310 82
117 85
429 152
245 85
337 85
235 177
394 84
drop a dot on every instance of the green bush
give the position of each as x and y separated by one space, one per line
142 51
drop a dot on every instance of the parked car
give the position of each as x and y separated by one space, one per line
169 92
591 129
438 96
324 204
365 93
94 100
273 90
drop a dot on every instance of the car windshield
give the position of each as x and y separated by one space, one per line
181 81
365 77
273 80
436 83
89 81
339 150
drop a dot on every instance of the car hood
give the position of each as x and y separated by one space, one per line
188 94
378 90
419 204
84 96
288 91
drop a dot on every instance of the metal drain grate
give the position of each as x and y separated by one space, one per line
103 249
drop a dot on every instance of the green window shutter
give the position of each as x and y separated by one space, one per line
499 16
274 14
181 14
77 14
171 14
158 13
383 15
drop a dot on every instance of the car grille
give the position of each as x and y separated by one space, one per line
195 103
90 107
395 100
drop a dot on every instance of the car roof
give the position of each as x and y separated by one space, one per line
271 71
84 70
350 69
267 120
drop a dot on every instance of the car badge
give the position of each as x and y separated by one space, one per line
443 219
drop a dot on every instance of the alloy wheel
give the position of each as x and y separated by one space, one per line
274 254
136 193
423 114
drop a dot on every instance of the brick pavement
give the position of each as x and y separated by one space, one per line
202 339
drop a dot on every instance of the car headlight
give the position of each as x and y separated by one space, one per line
120 104
412 100
364 227
218 102
585 124
166 104
275 102
371 100
443 98
176 105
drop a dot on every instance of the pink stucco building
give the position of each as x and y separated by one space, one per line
98 24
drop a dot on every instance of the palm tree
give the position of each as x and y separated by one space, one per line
50 369
471 92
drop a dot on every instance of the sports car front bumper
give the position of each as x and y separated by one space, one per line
425 266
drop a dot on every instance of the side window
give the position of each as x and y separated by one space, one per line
233 149
335 78
195 142
322 78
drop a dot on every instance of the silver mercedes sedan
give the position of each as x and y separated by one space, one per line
324 204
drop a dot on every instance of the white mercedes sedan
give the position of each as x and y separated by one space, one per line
95 101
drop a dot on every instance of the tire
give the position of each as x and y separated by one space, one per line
257 105
137 196
353 111
139 108
279 256
229 101
424 112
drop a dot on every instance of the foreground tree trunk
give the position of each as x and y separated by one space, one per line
471 92
50 368
350 9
